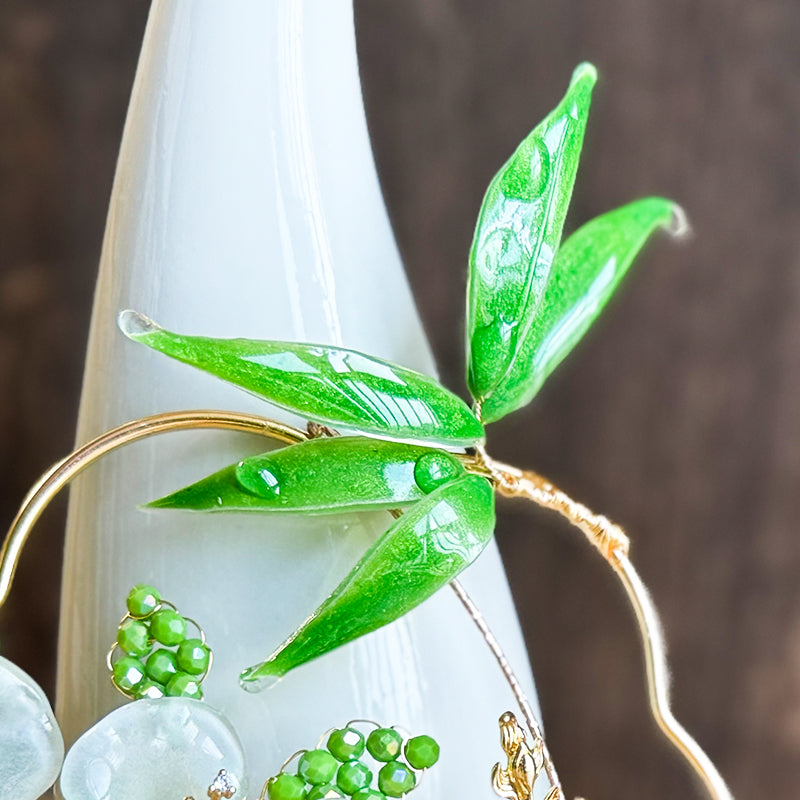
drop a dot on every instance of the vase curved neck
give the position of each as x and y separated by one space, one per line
246 203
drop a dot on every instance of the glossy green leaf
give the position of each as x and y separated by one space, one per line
323 383
518 232
423 550
345 473
588 268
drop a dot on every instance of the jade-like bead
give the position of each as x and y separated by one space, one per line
161 666
317 767
434 469
286 787
183 685
193 657
133 637
422 752
369 794
325 792
149 690
128 674
353 776
143 600
396 779
346 744
168 627
384 744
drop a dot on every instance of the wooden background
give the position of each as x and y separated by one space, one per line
678 417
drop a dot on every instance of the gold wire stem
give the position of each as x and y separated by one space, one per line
655 654
61 473
511 678
614 545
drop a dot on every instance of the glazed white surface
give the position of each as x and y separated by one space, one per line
246 203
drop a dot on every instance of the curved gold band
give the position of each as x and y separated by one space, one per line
58 476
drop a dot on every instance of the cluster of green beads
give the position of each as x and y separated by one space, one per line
340 772
158 658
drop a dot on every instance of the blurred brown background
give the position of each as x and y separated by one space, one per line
678 417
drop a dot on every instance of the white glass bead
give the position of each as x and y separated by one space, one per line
171 747
31 747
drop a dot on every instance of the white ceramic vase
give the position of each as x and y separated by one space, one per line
246 203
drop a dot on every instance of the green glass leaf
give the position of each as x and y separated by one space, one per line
344 473
588 268
323 383
425 549
517 234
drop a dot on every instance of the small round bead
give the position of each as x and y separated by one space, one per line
353 776
396 779
193 657
133 637
149 690
434 469
369 794
346 744
317 767
326 792
128 674
168 627
286 787
161 666
384 744
422 752
143 600
183 685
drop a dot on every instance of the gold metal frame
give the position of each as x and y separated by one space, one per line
608 538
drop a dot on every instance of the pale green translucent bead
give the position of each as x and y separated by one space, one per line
31 747
171 747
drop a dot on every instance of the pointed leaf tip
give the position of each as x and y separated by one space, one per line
422 551
323 383
517 235
587 270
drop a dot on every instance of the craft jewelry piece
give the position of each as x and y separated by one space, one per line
346 763
411 447
168 742
158 657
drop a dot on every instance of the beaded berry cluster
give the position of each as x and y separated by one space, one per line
157 657
338 770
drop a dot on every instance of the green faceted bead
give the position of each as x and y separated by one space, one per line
183 685
286 787
353 776
128 674
396 779
436 468
161 666
422 752
369 794
168 627
317 767
193 657
143 600
384 744
346 744
133 637
326 792
149 690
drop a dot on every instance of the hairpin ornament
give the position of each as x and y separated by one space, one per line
168 742
411 446
346 763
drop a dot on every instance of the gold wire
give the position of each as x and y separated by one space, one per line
61 473
614 545
607 537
